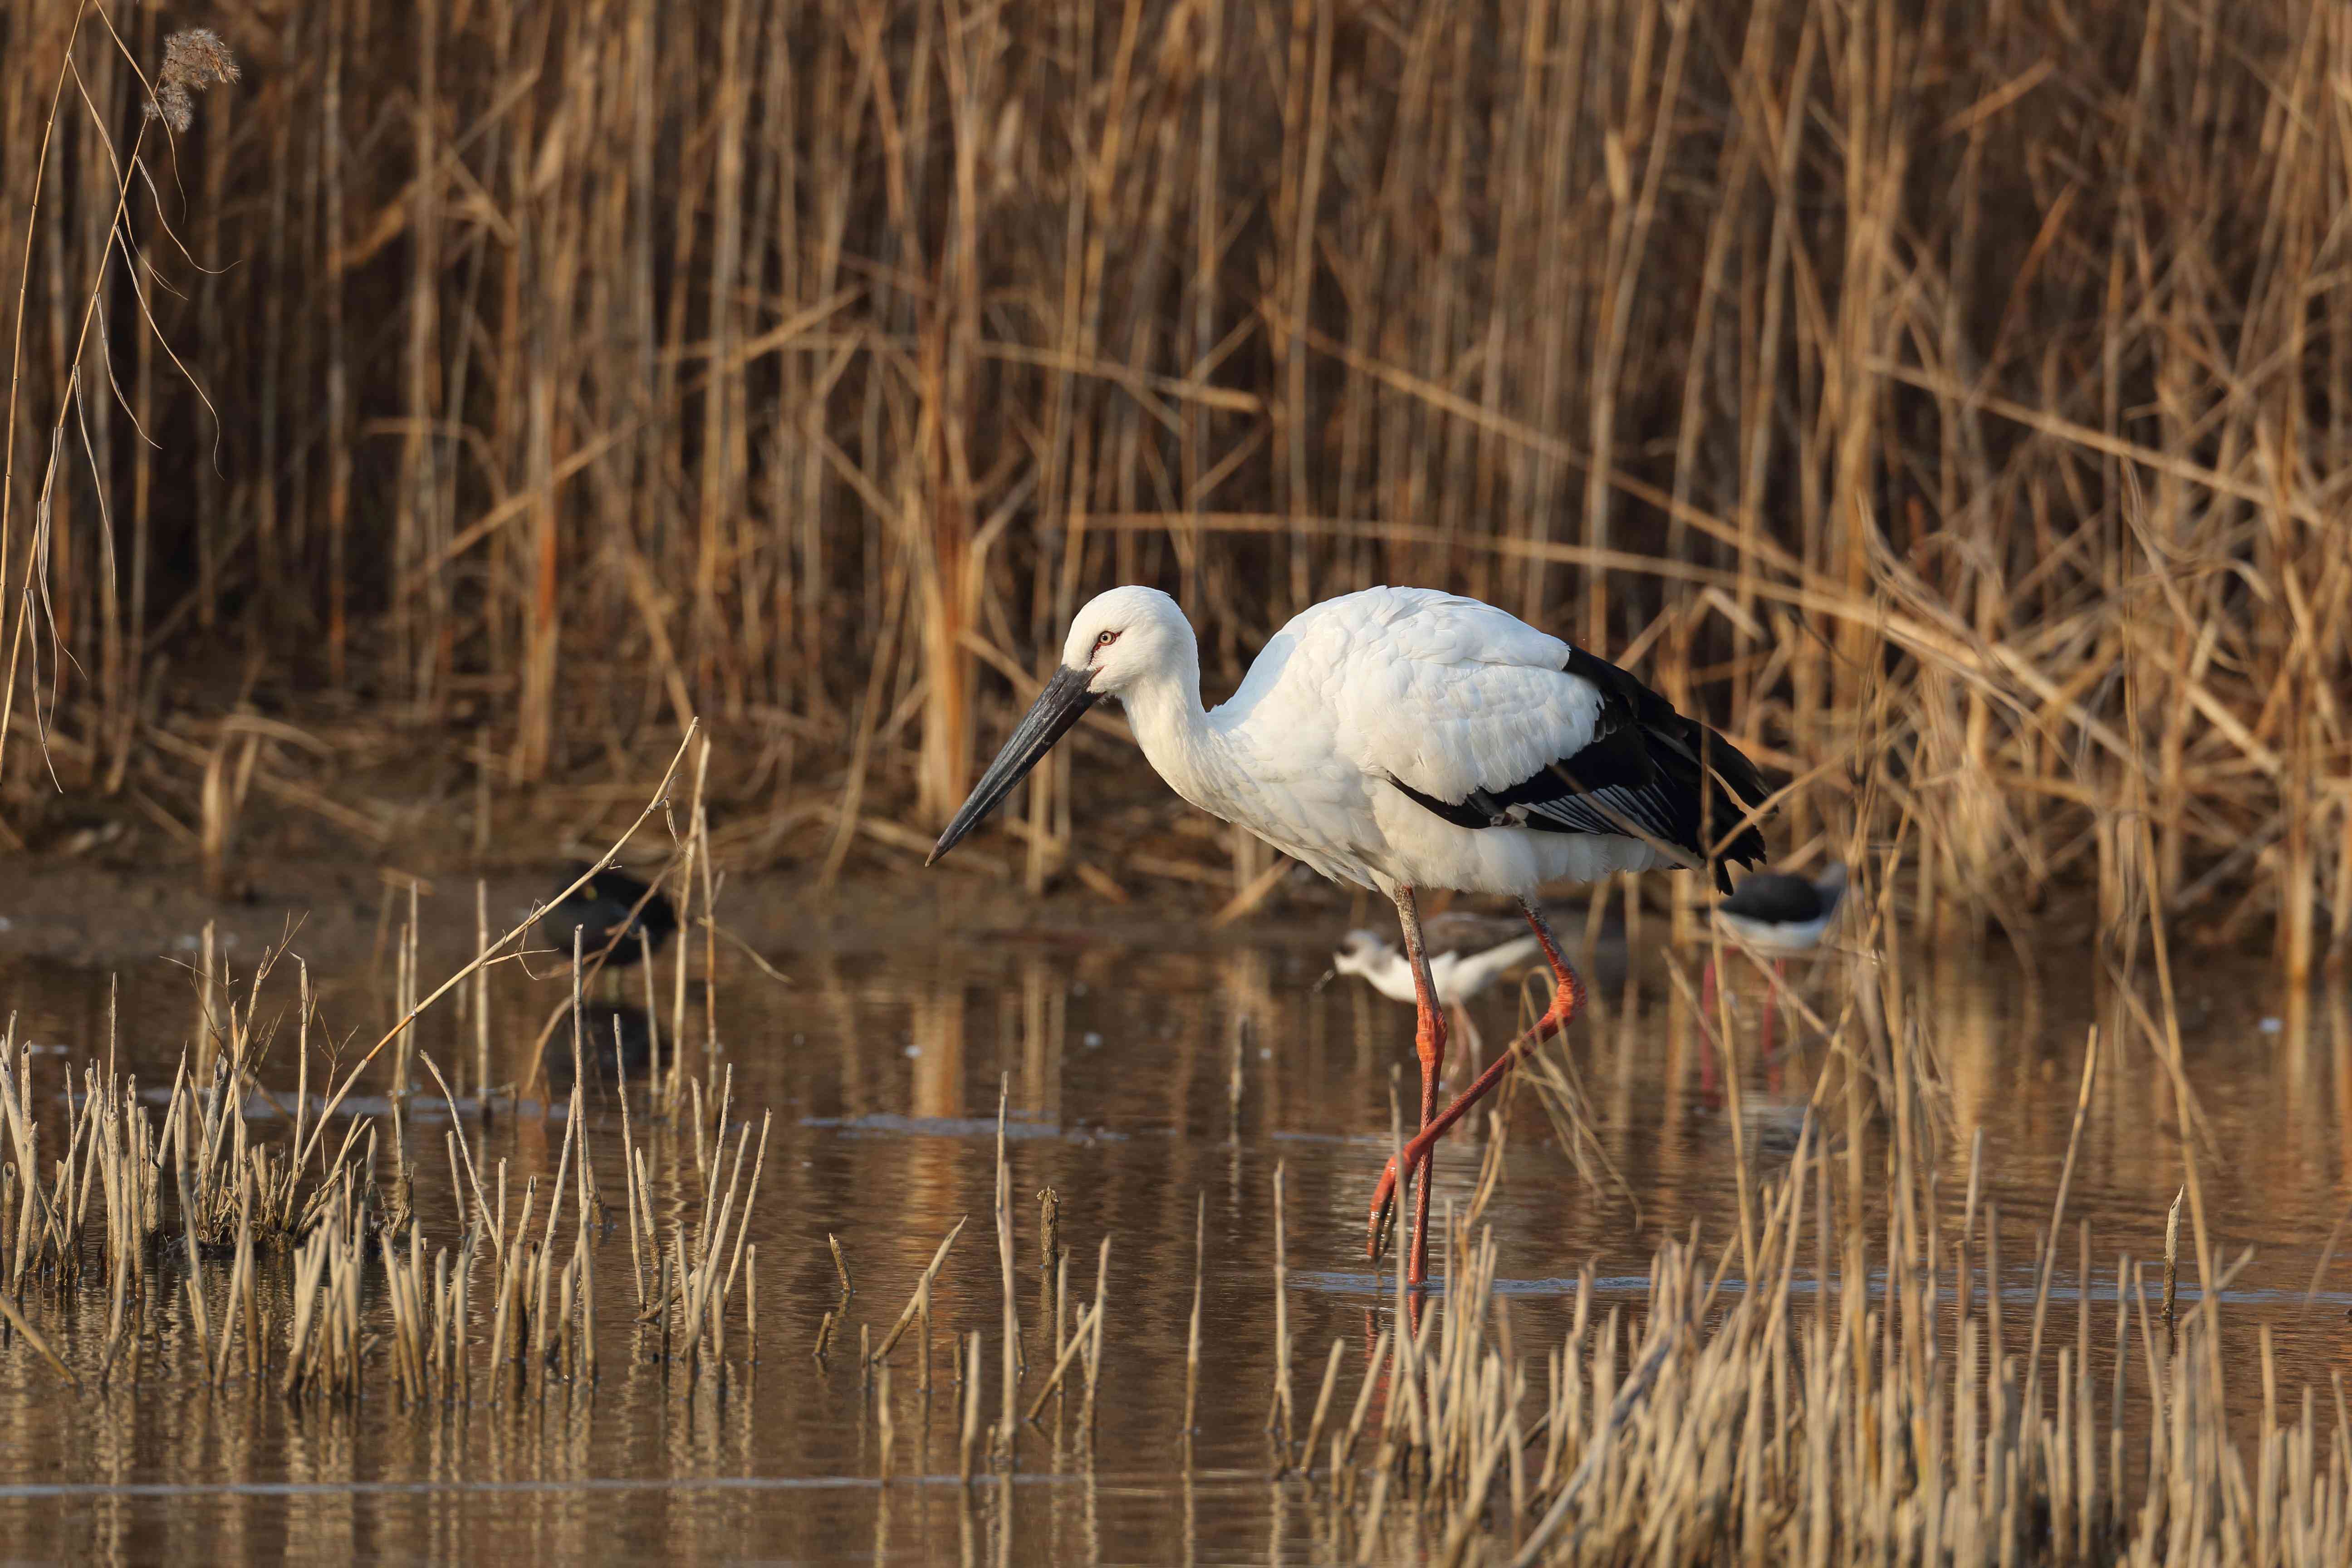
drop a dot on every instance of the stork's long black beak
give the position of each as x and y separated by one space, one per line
1063 702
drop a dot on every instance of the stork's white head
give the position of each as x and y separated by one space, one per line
1126 636
1133 644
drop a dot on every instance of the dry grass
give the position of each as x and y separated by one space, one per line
1962 383
1840 1379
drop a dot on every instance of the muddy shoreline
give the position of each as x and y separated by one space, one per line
94 914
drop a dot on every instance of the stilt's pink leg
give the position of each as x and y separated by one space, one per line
1707 1014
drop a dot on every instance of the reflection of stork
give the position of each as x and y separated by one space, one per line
1403 739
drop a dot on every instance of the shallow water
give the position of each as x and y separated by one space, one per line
1120 1065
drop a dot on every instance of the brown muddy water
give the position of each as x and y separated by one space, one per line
883 1070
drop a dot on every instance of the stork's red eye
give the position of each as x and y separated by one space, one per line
1106 640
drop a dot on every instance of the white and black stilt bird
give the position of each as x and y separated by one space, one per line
1402 739
1778 915
1468 951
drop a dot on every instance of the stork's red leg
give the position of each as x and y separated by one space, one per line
1567 997
1429 1044
1428 1041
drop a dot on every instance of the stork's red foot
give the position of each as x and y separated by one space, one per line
1383 1209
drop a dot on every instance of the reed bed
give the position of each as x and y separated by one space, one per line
1715 1420
224 1186
1848 1376
511 381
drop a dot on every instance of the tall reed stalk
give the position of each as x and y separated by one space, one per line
1968 407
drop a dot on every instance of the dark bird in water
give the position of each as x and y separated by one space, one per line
613 904
1781 916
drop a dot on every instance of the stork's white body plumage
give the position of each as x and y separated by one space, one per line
1359 694
1402 739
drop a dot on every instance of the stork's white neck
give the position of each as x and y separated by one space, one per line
1178 739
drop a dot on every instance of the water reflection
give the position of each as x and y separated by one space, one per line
1139 1078
616 1045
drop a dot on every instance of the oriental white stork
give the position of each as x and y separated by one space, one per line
1400 739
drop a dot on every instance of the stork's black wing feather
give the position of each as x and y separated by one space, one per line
1647 773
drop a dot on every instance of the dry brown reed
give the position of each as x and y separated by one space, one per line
194 59
1896 381
1887 1421
1192 1330
304 1186
1280 1420
918 1303
840 1264
1093 1339
1007 1435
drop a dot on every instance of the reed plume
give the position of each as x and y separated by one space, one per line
194 59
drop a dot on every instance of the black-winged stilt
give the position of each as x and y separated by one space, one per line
1468 951
1778 916
1400 739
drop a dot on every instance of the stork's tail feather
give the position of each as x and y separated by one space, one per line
1733 788
1706 768
1701 765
